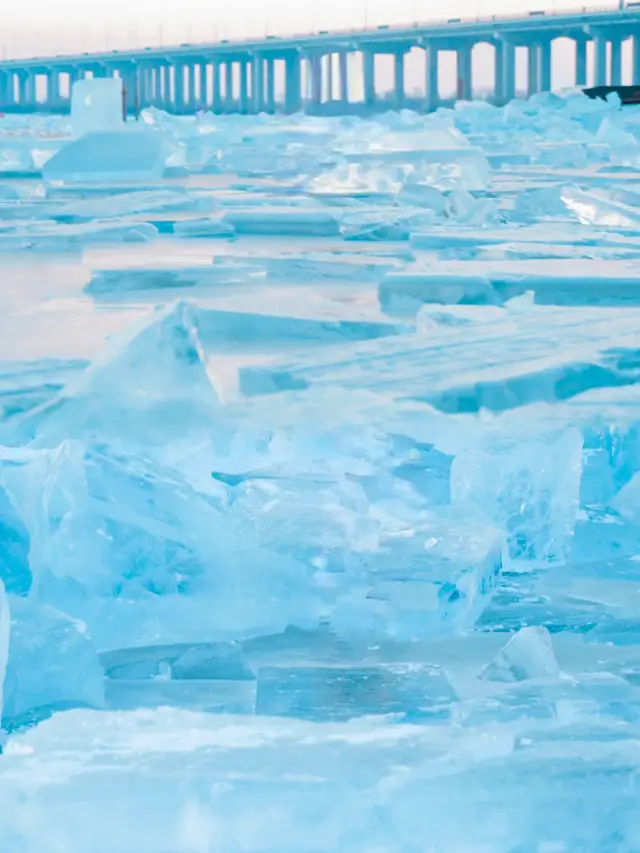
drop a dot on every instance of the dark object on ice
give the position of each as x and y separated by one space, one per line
627 94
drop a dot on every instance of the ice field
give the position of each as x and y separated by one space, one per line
320 482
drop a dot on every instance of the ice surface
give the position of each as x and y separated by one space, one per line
106 156
4 638
368 504
96 105
52 665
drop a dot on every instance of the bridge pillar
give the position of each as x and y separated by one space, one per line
636 60
432 94
533 69
369 77
581 62
191 87
204 95
228 87
616 62
343 70
244 87
216 95
498 72
398 79
53 88
6 89
465 73
509 72
257 83
600 53
178 88
163 87
328 64
271 85
315 80
292 93
546 80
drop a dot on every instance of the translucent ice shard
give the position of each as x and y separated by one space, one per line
528 654
154 278
135 155
530 489
53 665
96 105
150 384
132 549
276 221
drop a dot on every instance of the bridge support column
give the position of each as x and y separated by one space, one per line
546 80
216 95
53 88
164 87
244 86
432 94
533 69
581 63
228 87
508 72
257 84
343 72
204 95
369 77
616 62
271 86
636 60
464 89
6 89
315 79
600 53
191 88
398 79
328 63
292 93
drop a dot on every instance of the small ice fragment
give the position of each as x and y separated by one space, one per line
52 665
96 105
528 654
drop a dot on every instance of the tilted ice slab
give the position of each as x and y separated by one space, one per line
134 154
124 204
316 266
264 220
162 278
25 385
150 384
500 364
554 282
255 782
72 237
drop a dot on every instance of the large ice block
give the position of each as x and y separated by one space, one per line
97 105
528 654
106 156
53 665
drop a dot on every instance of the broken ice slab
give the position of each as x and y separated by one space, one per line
277 221
125 204
497 365
556 281
213 696
129 155
162 278
320 693
150 384
25 385
255 331
219 661
438 237
317 266
53 237
205 228
52 666
530 489
132 549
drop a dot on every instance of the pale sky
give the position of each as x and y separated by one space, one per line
43 27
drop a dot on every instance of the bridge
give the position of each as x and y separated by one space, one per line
240 76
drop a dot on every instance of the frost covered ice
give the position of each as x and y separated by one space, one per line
319 474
